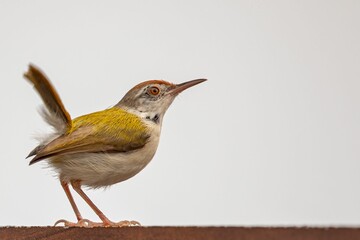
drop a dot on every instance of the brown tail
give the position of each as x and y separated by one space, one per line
49 95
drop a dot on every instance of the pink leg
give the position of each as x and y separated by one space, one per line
81 222
71 200
105 221
77 187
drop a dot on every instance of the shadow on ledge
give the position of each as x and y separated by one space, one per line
174 233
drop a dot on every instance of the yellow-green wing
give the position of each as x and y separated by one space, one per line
111 130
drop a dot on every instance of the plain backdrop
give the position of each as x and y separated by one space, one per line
272 138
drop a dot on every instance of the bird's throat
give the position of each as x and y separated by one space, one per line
153 117
148 116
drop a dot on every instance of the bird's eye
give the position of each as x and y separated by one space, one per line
154 91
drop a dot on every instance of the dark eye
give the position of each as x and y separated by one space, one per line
154 91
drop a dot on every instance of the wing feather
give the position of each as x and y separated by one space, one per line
111 130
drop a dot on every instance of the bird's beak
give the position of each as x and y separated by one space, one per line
182 86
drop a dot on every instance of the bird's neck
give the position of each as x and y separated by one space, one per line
151 117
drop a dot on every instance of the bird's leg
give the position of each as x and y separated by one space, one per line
71 200
65 186
77 187
105 221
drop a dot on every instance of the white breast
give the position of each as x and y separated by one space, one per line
103 169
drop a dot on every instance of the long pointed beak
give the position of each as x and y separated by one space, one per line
182 86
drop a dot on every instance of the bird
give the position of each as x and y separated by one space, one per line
102 148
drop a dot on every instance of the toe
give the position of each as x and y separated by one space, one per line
65 222
126 223
89 224
81 223
135 223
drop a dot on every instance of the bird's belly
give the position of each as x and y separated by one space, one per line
97 170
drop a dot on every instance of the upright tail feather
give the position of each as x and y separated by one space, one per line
56 114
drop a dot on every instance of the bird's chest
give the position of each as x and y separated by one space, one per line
125 165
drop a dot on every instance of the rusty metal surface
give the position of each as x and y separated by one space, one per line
174 233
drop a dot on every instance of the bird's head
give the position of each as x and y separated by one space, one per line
152 98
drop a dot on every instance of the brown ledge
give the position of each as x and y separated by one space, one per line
174 233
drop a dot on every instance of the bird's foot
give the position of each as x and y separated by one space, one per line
89 224
124 223
81 223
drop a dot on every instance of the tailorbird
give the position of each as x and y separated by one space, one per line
105 147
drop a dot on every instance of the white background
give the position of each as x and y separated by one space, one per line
272 138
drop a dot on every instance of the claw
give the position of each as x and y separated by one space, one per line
67 223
